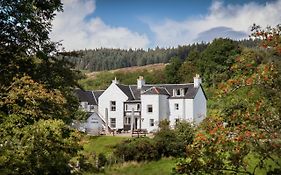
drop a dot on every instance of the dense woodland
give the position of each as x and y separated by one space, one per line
107 59
240 135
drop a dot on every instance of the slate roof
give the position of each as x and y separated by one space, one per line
134 93
156 90
88 96
97 94
126 89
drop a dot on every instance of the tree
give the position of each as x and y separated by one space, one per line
172 69
36 98
270 37
244 135
216 60
45 147
187 71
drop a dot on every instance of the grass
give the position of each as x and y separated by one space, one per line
162 167
101 144
105 144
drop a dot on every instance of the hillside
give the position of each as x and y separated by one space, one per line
149 68
109 59
153 73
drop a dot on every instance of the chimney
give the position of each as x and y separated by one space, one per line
115 81
197 81
140 82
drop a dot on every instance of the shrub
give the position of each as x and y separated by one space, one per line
168 143
139 149
173 142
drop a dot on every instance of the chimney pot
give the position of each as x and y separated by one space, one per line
197 81
140 82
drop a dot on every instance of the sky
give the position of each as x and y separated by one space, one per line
91 24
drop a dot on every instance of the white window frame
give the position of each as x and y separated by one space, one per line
151 122
149 107
127 120
112 106
113 122
177 106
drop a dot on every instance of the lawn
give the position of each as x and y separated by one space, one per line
162 167
105 144
101 144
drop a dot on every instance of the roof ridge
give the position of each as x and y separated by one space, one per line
95 97
132 92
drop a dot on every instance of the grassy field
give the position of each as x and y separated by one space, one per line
105 144
161 167
102 144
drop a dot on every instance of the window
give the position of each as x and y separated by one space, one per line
178 92
113 105
92 107
127 120
112 122
151 122
138 106
176 106
149 108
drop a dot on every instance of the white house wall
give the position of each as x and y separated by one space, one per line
154 101
164 109
176 114
113 93
200 106
189 113
94 124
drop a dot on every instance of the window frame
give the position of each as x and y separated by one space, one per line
112 106
151 122
149 107
112 124
177 106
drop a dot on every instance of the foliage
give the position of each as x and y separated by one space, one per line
270 37
248 123
36 92
187 71
45 147
139 149
172 142
103 79
172 70
185 132
216 60
108 59
32 100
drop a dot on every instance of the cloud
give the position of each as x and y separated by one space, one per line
77 31
236 21
216 32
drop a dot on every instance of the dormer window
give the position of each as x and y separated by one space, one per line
179 92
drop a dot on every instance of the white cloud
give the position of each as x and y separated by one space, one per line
78 33
239 18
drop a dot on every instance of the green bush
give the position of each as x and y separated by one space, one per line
168 144
139 149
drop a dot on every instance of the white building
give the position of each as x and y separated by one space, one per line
143 106
88 100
